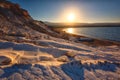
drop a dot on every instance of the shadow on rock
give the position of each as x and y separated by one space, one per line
14 69
76 70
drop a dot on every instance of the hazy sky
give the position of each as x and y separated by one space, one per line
83 10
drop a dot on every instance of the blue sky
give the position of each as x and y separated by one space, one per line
91 11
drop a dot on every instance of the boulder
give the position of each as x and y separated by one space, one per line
4 60
63 59
86 40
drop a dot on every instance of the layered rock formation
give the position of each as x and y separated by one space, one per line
16 22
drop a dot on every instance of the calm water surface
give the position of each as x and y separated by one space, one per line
108 33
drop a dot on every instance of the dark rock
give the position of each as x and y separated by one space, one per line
4 60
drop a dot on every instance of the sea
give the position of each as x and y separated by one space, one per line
106 33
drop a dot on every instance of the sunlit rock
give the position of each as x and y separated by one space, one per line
63 59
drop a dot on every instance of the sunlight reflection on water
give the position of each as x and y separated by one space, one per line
69 30
109 33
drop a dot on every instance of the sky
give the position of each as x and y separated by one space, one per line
82 11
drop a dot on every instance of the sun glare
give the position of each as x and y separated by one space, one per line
71 17
69 30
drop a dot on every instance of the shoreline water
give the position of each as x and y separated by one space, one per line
95 42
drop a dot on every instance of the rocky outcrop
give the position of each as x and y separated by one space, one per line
4 60
13 11
16 22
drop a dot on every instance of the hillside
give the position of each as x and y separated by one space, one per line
30 50
15 21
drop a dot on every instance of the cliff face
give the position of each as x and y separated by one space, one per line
15 21
13 12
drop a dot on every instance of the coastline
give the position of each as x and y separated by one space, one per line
95 42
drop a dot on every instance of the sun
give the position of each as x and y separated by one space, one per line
71 17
